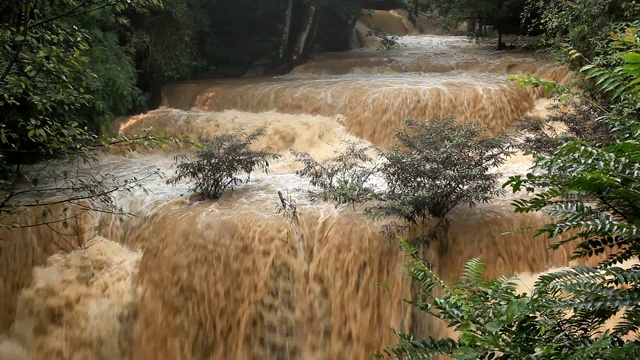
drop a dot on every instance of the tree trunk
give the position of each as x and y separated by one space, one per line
286 35
311 40
304 40
471 25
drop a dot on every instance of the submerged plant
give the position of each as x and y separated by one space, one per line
437 165
342 179
387 41
222 158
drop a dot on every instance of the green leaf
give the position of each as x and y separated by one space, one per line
466 353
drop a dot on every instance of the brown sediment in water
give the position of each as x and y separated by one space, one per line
276 292
283 131
390 22
332 286
374 107
234 279
78 305
376 90
23 248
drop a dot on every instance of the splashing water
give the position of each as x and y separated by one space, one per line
234 279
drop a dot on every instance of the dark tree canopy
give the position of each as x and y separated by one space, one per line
504 16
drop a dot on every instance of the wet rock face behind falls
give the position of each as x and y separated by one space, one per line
233 279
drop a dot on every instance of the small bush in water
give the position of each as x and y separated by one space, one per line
387 41
437 165
433 167
222 158
342 179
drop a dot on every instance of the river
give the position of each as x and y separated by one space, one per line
233 279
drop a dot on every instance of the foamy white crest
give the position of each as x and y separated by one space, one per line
234 279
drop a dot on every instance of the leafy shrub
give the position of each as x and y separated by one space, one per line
221 159
582 25
387 41
342 179
496 322
592 187
592 191
65 71
437 165
434 166
568 121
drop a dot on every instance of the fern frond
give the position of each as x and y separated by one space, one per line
419 349
473 271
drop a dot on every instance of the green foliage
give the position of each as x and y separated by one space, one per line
437 165
599 117
614 77
535 81
47 81
572 120
165 39
594 193
113 81
342 179
434 166
64 73
65 180
581 25
587 180
591 186
503 16
220 161
556 321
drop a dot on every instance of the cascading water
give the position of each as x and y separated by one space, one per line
234 279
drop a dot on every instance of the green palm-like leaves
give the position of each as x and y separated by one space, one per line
561 319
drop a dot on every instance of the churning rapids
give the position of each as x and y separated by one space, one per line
233 279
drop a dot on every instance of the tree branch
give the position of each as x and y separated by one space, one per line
16 54
56 17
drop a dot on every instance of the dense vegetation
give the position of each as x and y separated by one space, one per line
68 67
588 180
433 167
65 71
503 16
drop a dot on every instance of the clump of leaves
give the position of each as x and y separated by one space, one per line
387 41
497 322
591 187
342 179
437 165
567 121
222 158
434 166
